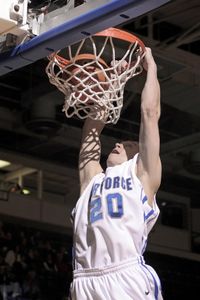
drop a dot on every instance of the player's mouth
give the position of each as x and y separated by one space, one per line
115 151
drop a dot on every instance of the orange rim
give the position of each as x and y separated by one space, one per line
110 32
121 35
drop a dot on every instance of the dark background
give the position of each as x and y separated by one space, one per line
29 129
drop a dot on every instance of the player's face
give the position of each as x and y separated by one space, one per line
122 152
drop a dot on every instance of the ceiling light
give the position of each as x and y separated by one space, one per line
25 191
4 163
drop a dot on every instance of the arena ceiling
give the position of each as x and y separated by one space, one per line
36 136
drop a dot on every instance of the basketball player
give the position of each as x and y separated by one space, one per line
117 208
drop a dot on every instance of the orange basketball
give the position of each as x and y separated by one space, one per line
85 83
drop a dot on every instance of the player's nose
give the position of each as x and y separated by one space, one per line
117 145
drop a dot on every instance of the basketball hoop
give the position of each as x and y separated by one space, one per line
92 73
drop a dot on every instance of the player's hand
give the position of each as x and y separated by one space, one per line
120 65
99 112
148 61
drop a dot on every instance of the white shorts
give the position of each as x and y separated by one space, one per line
129 280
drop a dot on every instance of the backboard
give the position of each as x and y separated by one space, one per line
67 25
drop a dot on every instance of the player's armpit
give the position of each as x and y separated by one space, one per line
150 179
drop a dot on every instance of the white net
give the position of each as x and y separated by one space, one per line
90 81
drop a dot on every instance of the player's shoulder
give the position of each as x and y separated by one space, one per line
87 185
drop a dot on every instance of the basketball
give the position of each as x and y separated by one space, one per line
88 83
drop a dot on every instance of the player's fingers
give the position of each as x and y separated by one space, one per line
120 66
124 65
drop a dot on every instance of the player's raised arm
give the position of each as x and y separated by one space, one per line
90 152
149 165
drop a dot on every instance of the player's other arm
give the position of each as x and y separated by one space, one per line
149 165
90 152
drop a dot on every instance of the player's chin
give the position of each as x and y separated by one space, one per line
111 161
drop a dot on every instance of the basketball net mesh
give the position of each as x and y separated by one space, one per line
93 88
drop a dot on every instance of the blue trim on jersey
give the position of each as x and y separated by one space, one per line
148 215
152 218
141 194
144 199
144 246
151 212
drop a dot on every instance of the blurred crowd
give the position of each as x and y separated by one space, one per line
34 264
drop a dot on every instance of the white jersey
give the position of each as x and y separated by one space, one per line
112 220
